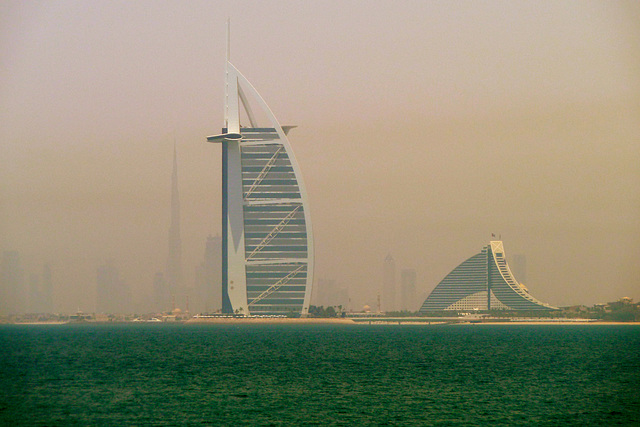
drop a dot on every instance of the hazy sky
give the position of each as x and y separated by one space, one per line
423 128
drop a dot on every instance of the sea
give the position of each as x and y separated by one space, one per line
319 375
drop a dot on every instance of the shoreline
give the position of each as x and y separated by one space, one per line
261 320
395 321
338 321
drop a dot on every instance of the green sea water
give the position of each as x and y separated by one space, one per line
281 375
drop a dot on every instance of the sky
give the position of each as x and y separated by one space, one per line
423 128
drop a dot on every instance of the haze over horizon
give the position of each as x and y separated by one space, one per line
423 127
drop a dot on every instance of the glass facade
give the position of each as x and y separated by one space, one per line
267 239
465 281
483 282
275 226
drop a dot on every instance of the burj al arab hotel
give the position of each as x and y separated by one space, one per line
267 242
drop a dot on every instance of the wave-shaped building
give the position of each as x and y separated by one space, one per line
482 282
267 241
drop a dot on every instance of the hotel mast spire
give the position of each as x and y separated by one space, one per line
226 76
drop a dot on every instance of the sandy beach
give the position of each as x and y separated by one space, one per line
383 321
274 321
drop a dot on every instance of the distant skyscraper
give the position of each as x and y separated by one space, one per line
209 276
267 242
408 290
34 294
389 284
12 292
112 294
342 298
483 282
173 274
47 289
161 294
40 292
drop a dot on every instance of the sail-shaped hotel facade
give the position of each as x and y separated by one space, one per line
267 240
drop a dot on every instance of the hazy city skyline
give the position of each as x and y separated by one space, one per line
423 128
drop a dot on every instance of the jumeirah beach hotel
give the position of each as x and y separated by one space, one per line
482 282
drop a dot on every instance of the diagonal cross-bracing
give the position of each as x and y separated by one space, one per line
265 170
277 229
277 285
